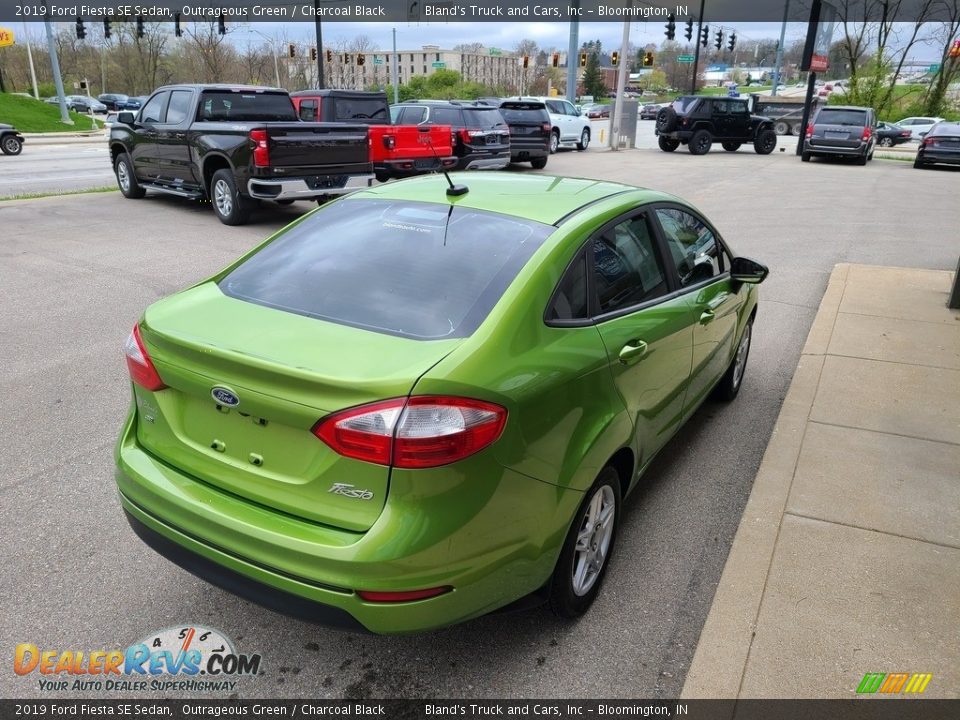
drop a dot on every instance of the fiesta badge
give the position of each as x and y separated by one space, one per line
225 396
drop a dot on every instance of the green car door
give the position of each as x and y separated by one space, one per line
645 327
703 270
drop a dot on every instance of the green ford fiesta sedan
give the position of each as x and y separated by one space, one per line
412 407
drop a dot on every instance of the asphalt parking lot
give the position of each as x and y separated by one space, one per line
76 273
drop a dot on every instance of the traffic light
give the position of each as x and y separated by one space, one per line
555 60
718 43
526 61
221 25
140 32
177 30
614 58
361 58
313 53
81 30
106 29
732 43
83 86
583 59
955 49
346 58
291 50
671 28
705 35
648 59
688 33
329 56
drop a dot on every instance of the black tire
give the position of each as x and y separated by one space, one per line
11 145
569 596
805 157
539 163
126 178
584 140
765 142
668 144
885 142
917 164
796 129
554 141
731 382
382 177
862 159
700 142
284 203
781 128
230 207
730 146
666 120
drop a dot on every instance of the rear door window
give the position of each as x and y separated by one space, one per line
179 106
446 116
627 267
418 270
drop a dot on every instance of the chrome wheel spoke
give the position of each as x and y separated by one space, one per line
593 540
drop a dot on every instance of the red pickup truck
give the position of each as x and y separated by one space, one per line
395 150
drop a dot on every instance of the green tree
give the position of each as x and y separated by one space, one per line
592 79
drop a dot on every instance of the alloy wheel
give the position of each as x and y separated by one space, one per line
223 198
740 363
123 176
593 540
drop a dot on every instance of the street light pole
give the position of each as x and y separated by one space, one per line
33 73
779 60
621 86
395 70
572 64
316 8
57 79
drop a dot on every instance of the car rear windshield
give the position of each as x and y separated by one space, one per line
418 270
519 112
218 106
682 105
827 116
482 118
361 109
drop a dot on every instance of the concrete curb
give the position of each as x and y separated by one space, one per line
67 138
722 652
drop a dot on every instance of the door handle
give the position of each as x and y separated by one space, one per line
718 301
180 135
633 351
707 317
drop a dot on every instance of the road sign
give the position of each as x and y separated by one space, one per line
377 60
934 68
439 64
6 37
685 58
496 51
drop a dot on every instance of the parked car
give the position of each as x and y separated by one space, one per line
649 112
569 126
529 124
841 130
918 125
79 103
11 141
698 122
135 103
234 145
114 101
940 145
596 112
420 403
482 137
396 151
889 134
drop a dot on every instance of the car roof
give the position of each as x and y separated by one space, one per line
945 128
847 107
541 198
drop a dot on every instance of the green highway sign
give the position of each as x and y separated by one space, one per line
496 51
685 58
439 64
934 68
377 60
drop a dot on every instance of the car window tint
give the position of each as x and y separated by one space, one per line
829 116
446 116
346 108
738 106
153 111
418 270
179 106
308 110
692 246
570 299
412 116
626 268
555 107
720 107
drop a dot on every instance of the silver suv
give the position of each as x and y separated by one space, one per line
842 130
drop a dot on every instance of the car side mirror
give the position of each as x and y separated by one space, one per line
746 270
126 118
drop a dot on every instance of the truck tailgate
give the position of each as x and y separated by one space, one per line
305 145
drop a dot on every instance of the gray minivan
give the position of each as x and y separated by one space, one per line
842 130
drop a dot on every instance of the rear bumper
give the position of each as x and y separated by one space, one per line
412 166
815 148
496 544
306 188
947 158
485 162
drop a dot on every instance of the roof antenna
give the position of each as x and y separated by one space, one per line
453 190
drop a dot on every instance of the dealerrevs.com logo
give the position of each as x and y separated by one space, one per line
189 658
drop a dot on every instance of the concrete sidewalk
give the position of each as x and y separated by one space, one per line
78 137
847 558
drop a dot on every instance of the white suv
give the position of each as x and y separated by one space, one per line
569 126
918 125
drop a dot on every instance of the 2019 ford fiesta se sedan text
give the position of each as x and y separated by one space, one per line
418 404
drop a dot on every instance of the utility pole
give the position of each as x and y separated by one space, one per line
57 79
395 70
617 119
572 49
779 60
33 73
696 51
320 81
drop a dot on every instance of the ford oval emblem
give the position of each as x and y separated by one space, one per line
225 396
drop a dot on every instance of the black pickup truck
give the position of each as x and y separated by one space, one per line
234 145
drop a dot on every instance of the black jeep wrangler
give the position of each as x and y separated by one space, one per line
698 121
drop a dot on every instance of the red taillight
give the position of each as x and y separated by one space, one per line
389 142
141 368
465 136
418 432
867 133
928 141
547 127
261 150
810 130
402 596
